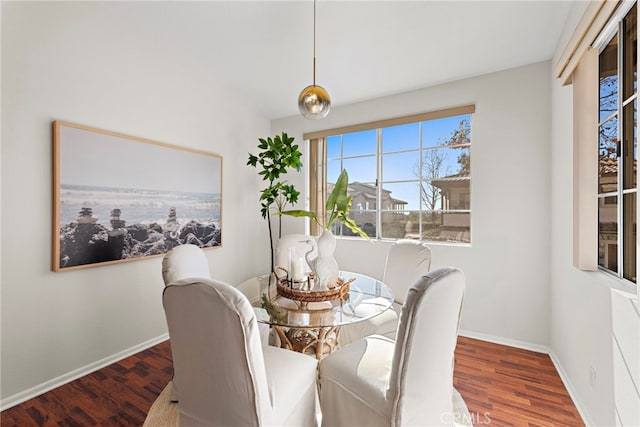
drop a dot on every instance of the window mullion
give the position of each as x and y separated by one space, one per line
620 212
379 183
421 182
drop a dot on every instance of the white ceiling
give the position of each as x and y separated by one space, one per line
365 49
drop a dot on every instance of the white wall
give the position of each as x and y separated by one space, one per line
82 62
595 331
507 265
580 313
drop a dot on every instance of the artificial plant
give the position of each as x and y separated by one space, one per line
277 156
338 207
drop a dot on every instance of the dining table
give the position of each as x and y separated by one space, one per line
313 327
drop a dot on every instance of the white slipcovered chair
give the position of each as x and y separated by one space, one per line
182 262
407 260
299 244
189 261
227 378
378 382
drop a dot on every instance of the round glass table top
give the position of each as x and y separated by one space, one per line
368 297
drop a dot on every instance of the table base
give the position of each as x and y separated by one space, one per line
318 341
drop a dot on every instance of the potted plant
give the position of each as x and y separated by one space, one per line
277 156
338 207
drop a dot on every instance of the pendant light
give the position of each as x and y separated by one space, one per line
313 101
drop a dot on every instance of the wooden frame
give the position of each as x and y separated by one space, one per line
121 198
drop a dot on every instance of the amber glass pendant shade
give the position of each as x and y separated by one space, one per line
314 102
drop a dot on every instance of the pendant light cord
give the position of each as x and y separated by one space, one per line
314 42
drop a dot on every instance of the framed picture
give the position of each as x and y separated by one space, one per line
120 198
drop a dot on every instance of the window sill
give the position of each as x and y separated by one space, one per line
623 286
389 240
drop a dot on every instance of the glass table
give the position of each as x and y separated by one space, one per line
314 327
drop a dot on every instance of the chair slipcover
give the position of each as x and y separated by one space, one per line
227 378
376 382
184 261
189 261
251 289
407 260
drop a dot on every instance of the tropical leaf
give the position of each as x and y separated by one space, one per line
299 213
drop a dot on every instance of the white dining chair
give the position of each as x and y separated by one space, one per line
227 377
299 244
184 261
407 260
179 263
189 261
378 382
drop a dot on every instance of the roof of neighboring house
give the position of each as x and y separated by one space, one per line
367 191
452 180
608 165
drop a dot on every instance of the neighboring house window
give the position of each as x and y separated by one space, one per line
412 175
617 148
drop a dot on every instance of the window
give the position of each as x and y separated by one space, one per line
617 147
600 62
409 177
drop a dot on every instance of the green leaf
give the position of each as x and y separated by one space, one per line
298 213
351 224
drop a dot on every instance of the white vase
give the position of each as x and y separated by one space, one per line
324 266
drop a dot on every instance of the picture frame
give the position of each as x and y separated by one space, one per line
119 198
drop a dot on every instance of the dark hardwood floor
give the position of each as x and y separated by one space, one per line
507 386
502 386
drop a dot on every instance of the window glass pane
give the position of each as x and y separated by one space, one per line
366 220
402 137
361 169
455 193
358 143
430 225
629 238
609 79
401 196
396 224
629 132
447 131
364 196
456 227
446 162
630 59
334 146
412 225
608 156
333 170
401 166
608 233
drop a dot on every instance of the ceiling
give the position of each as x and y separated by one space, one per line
364 49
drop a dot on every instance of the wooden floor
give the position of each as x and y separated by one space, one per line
502 386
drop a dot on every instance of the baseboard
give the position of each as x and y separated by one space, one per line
571 390
23 396
538 349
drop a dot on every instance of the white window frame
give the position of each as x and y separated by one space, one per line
614 27
578 65
318 161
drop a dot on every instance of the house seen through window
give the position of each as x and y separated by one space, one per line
410 180
618 149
